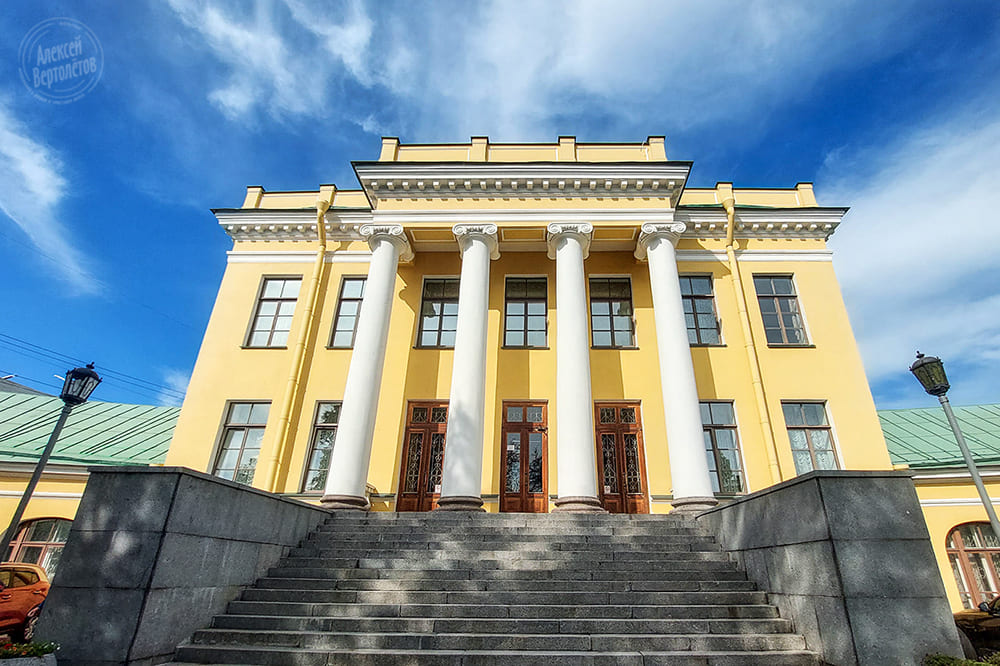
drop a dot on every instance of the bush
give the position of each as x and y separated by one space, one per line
17 650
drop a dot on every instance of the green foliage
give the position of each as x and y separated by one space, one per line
20 650
945 660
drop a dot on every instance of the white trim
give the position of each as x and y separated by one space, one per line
577 215
27 468
958 501
296 257
952 475
42 494
756 255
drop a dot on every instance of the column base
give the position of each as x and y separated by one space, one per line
460 503
692 504
345 502
578 504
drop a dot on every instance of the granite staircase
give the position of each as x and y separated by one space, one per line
450 588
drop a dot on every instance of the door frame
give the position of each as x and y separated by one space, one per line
630 502
526 504
422 499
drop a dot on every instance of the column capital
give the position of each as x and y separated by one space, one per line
671 231
582 231
488 232
390 232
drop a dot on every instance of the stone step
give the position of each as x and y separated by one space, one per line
616 611
392 610
277 656
681 573
494 641
719 562
323 555
443 585
551 531
636 540
665 544
386 517
494 597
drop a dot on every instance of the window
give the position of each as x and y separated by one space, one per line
323 436
241 440
722 447
779 307
345 323
974 554
273 319
525 322
438 314
40 542
699 310
611 312
809 433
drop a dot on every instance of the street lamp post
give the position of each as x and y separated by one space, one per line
929 371
79 384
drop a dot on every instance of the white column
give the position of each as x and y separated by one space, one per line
692 485
348 473
462 473
569 245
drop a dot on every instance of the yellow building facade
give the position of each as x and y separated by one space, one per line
542 327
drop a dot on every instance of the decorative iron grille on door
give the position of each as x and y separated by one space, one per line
621 457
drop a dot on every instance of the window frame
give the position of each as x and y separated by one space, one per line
225 426
21 542
525 300
609 300
960 552
715 310
314 430
420 313
834 449
336 314
793 297
255 312
710 428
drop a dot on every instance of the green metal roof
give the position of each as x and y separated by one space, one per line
97 433
922 437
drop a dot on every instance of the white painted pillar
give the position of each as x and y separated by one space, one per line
462 473
692 485
569 245
348 473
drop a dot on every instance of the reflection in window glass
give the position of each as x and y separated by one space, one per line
810 436
241 440
321 448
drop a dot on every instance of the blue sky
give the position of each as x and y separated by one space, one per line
109 251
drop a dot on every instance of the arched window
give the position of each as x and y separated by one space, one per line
974 553
40 542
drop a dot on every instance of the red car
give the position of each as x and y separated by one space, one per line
23 588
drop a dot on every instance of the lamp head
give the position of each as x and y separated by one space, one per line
80 383
929 371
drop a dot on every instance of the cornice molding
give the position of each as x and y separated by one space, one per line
383 181
290 225
764 222
296 257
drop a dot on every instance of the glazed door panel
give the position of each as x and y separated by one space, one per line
621 457
524 464
423 456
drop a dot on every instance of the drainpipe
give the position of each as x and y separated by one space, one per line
729 203
298 355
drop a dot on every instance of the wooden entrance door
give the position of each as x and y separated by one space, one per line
423 455
524 469
621 457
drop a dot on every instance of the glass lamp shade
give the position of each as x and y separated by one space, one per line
80 383
929 371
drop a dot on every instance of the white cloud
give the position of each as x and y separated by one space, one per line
32 187
917 257
516 69
176 382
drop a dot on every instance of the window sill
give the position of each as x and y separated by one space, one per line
774 345
705 344
249 347
340 348
433 348
524 348
614 348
